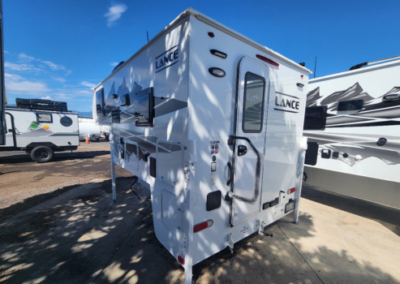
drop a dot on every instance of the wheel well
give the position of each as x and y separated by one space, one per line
29 147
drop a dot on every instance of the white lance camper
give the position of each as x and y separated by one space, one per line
40 127
359 151
212 123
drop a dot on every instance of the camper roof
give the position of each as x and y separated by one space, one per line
203 18
355 71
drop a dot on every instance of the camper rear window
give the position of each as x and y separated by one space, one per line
44 117
253 107
350 105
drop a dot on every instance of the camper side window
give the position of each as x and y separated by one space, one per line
253 107
44 117
350 105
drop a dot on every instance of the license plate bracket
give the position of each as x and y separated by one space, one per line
290 206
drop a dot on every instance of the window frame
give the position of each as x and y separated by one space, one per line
37 117
244 103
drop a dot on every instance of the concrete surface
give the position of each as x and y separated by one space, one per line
78 236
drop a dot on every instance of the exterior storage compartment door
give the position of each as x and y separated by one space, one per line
169 166
249 139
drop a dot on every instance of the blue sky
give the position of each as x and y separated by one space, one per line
61 49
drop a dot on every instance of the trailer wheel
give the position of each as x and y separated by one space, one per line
42 154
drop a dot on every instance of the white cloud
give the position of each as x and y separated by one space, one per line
12 77
85 92
87 84
21 67
114 13
53 65
25 57
113 64
19 85
59 79
47 98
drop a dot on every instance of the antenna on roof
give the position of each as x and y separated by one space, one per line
315 66
147 36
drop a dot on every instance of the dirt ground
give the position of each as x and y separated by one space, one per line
25 183
58 225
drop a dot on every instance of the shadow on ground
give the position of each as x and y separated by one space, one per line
80 237
387 216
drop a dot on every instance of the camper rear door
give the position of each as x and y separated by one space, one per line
252 102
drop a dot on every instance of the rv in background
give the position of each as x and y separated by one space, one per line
40 127
89 128
359 151
212 123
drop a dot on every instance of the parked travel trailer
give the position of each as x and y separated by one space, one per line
88 128
40 127
212 123
359 151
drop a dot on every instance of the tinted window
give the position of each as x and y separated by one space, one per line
253 103
143 101
100 102
315 118
44 117
350 105
66 121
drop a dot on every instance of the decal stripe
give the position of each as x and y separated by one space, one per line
286 110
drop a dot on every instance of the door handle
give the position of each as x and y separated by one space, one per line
242 150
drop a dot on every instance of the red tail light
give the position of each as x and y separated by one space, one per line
181 260
211 34
202 226
265 59
291 190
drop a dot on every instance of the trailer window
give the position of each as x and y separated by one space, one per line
253 105
350 105
44 117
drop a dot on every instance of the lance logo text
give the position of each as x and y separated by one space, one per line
287 103
167 59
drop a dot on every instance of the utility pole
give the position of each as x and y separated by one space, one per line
146 32
2 86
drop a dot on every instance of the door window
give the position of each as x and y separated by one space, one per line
253 108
